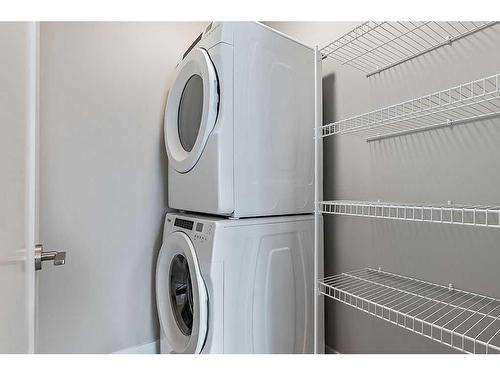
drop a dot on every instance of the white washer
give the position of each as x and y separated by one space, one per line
238 123
236 286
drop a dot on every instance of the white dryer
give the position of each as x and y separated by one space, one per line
236 286
238 124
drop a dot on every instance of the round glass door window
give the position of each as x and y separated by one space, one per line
190 112
181 294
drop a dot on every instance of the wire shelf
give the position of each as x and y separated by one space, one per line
470 101
462 320
373 47
481 216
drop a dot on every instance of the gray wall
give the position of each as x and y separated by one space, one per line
459 164
103 188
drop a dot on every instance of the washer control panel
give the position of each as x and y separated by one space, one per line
197 229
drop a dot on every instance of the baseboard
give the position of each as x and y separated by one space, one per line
154 348
150 348
330 350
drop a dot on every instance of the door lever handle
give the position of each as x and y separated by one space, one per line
59 257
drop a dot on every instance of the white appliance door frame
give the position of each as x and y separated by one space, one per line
196 64
179 244
18 148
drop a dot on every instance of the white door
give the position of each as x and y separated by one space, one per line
18 70
191 110
19 257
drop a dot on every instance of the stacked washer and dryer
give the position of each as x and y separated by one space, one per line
235 271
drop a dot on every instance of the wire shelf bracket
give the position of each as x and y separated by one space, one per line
476 100
480 216
466 321
374 47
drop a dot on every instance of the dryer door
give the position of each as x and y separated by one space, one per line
191 110
181 295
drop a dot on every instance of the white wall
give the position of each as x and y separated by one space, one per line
103 187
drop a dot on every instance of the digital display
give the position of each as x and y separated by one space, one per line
199 227
186 224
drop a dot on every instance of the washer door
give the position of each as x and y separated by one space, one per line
181 295
191 110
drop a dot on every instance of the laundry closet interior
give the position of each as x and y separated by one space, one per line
274 187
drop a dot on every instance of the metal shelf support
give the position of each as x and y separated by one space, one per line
471 215
374 47
466 321
318 196
467 102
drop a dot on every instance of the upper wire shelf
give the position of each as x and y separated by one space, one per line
376 46
463 320
470 101
481 216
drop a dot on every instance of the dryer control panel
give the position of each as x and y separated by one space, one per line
197 230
